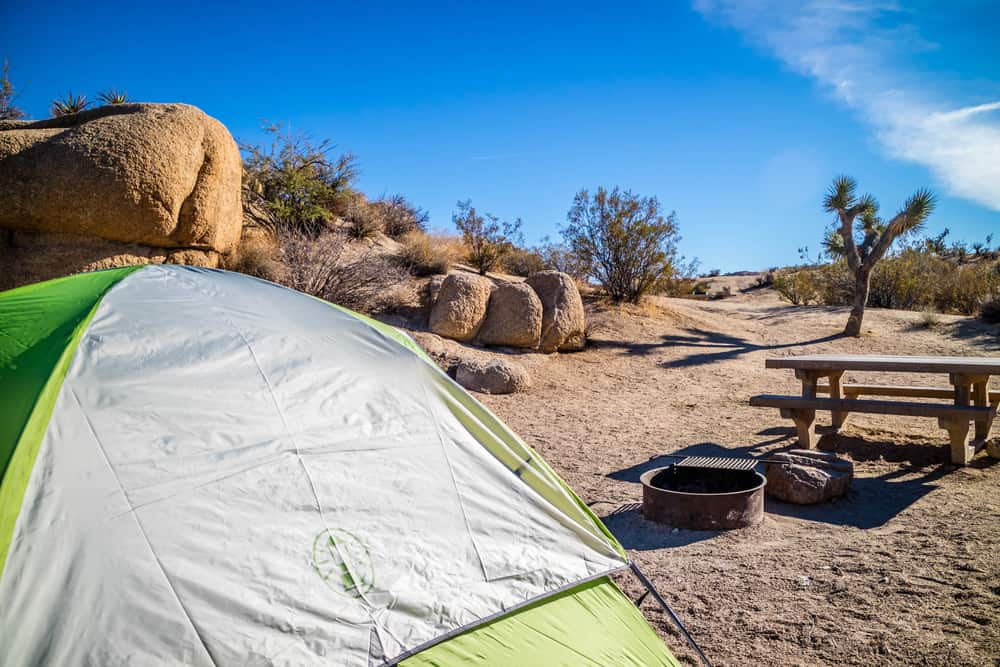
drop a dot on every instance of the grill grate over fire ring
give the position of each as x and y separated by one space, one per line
703 498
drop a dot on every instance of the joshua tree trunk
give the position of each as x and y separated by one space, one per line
862 283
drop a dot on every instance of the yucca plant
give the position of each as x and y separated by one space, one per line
69 104
113 96
859 216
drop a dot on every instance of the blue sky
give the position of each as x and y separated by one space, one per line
736 114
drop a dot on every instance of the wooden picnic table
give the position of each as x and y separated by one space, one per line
971 401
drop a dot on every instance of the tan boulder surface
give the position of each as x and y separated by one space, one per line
497 376
513 317
162 176
563 320
808 476
461 306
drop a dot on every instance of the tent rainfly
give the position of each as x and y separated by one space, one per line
203 468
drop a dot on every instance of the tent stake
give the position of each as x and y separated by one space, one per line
663 603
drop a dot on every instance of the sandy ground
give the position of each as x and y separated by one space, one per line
905 570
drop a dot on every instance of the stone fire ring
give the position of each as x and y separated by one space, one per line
740 505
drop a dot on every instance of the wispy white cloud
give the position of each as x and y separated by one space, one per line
858 51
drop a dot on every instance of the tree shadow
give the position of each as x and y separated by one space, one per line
976 331
723 346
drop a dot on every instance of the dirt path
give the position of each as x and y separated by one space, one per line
905 570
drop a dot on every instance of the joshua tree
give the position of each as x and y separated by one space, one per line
113 96
69 104
859 216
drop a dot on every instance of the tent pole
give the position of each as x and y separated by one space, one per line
663 603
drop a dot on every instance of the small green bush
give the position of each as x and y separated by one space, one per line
798 286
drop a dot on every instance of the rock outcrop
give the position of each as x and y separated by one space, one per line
513 317
808 477
563 320
133 183
497 376
461 305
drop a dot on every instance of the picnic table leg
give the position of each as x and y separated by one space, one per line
805 419
836 418
980 398
958 428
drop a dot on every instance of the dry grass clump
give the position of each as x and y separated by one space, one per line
258 255
426 254
363 219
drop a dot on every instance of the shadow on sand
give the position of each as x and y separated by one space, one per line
871 502
722 346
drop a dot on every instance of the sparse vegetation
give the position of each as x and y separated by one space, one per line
295 183
488 239
624 240
862 238
8 96
69 104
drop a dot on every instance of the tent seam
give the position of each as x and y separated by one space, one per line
368 606
454 482
138 523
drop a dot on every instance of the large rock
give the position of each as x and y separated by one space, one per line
29 257
513 317
563 324
808 477
157 175
460 308
497 376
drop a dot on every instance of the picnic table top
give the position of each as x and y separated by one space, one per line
878 362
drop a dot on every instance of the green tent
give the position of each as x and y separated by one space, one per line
199 467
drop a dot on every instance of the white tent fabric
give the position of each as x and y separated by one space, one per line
227 448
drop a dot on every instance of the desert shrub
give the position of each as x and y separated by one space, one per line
723 293
398 216
989 311
426 254
325 266
488 239
913 279
258 256
363 219
625 241
300 184
964 288
796 285
560 257
929 319
524 262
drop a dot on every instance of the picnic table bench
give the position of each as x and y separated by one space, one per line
971 400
